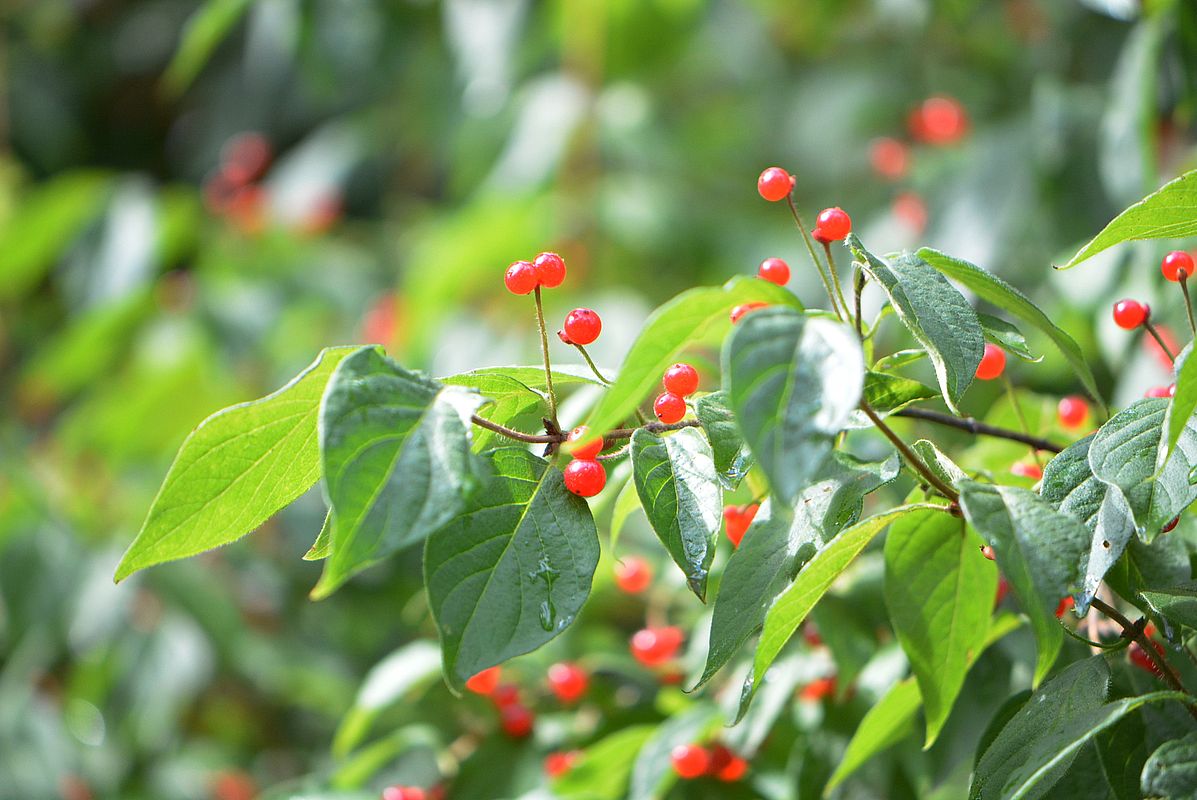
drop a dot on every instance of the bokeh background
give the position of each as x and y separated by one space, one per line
195 197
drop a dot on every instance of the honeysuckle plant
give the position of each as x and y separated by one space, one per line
806 420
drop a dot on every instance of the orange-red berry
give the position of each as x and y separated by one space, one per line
568 681
584 477
1064 606
1027 469
690 761
1130 314
775 184
582 326
739 311
485 681
633 575
550 269
521 277
1072 411
774 270
1177 266
654 646
580 444
680 379
517 720
939 120
889 157
557 764
992 363
669 407
833 223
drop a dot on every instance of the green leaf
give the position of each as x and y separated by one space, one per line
1171 771
1164 214
512 571
601 773
944 468
793 383
1184 403
1177 603
791 608
235 470
899 359
387 682
652 774
1038 549
939 591
935 313
397 461
679 490
732 461
996 291
889 393
670 330
1007 337
202 34
322 547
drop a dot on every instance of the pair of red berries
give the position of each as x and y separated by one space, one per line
523 277
653 647
736 520
692 761
633 575
584 476
582 326
680 381
993 362
515 718
832 224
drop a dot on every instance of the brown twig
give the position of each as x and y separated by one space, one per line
1134 632
555 438
909 455
978 428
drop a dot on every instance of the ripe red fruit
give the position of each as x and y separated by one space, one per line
1003 589
669 408
1130 314
742 309
568 681
992 363
1169 526
736 520
654 646
1140 658
581 445
889 157
818 689
939 120
775 184
834 223
516 720
245 157
550 270
584 477
506 694
557 764
690 761
1158 391
633 575
681 379
484 682
1175 263
1027 469
987 551
1072 411
520 277
404 793
726 765
774 270
1064 606
582 326
909 208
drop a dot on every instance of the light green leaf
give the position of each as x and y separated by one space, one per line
512 571
387 682
397 462
1171 771
944 468
793 383
1006 336
1184 403
732 460
668 331
680 493
322 547
601 773
203 33
939 591
235 470
899 359
935 313
993 289
888 393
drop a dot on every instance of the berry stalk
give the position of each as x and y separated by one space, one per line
544 349
835 278
1184 289
1159 339
590 363
1134 631
858 284
814 257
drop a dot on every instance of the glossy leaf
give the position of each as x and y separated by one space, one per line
793 383
732 460
680 493
889 393
513 569
1171 771
935 313
235 470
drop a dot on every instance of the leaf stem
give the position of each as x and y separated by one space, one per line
835 278
1134 632
814 257
909 455
1184 289
1159 340
859 279
544 349
978 428
590 363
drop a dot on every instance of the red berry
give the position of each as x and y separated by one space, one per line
669 408
742 309
484 682
654 646
1072 411
909 208
582 326
516 720
939 120
506 694
568 681
581 445
1027 469
1175 263
404 793
1169 526
1157 391
1130 314
987 551
681 379
1138 655
584 477
1003 589
889 157
245 157
520 278
834 223
733 770
992 363
1063 607
557 764
775 184
690 761
775 270
736 519
633 575
818 689
550 270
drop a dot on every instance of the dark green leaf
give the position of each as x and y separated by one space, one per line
680 493
1006 336
1171 771
1177 603
793 383
731 459
513 570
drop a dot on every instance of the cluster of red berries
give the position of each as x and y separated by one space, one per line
680 381
584 476
515 718
736 520
523 277
692 761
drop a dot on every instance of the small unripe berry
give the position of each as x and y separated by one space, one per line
1063 606
742 309
585 477
654 646
581 445
633 575
889 157
568 681
521 278
1175 263
1027 469
550 269
484 682
690 761
775 184
1072 411
517 721
669 408
992 363
582 326
1130 314
557 764
681 379
774 270
834 223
